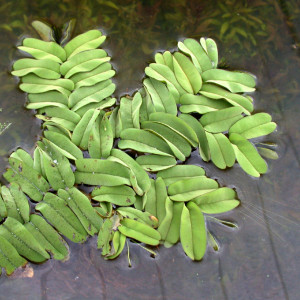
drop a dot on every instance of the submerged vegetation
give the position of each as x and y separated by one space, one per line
89 140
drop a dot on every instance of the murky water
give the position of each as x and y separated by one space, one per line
260 260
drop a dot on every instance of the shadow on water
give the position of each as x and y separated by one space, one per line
260 259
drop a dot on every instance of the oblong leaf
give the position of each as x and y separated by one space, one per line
201 104
180 172
45 68
221 151
253 126
43 50
83 62
89 40
101 172
10 259
179 146
139 231
63 145
143 141
217 201
155 163
215 92
81 206
16 203
161 97
186 73
247 156
82 130
32 183
24 242
142 179
120 195
193 231
56 211
48 237
177 125
221 120
188 189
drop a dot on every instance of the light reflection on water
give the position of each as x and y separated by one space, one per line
259 260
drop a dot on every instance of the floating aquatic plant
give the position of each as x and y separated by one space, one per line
71 89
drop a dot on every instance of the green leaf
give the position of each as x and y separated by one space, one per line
165 58
139 231
180 172
48 237
10 259
201 135
155 163
43 50
54 97
101 172
82 130
104 209
236 82
212 51
254 126
32 183
165 74
215 92
143 141
56 211
83 209
118 243
119 195
136 214
193 231
16 203
95 94
188 189
107 102
138 177
170 225
217 201
186 74
99 74
179 146
129 111
45 68
63 144
221 151
57 167
162 99
3 210
177 125
24 242
221 120
91 39
24 156
101 138
201 104
106 234
199 57
34 84
83 62
247 156
147 107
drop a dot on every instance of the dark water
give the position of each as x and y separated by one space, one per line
260 259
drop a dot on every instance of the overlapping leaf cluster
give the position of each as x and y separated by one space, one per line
70 87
